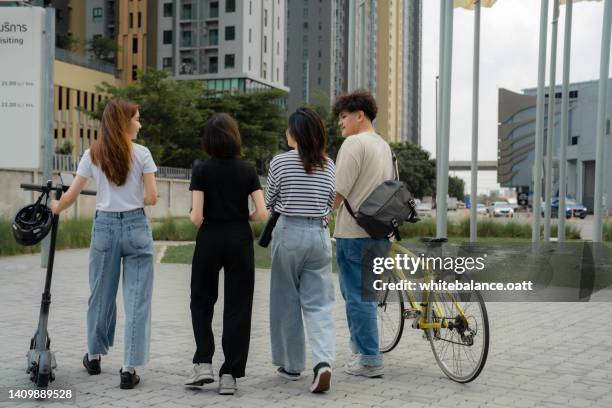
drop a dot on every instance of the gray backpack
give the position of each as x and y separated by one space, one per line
386 208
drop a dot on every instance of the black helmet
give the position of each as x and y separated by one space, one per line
32 223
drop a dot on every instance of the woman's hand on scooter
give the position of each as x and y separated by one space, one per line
55 207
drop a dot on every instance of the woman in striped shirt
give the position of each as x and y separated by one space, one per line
301 187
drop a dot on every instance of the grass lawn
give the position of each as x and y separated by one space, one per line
512 264
183 254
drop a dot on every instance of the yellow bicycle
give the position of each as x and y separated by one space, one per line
455 323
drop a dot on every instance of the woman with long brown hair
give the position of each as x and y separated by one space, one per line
125 176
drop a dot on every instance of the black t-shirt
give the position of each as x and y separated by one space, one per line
227 184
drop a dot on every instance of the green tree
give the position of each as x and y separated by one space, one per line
416 168
456 187
172 114
66 42
103 48
261 118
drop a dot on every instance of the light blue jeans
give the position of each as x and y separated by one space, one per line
361 316
118 236
301 285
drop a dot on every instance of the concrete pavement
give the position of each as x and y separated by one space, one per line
542 354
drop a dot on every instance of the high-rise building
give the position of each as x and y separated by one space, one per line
411 71
316 51
131 33
230 45
384 58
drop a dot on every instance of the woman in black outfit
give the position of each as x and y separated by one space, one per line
220 189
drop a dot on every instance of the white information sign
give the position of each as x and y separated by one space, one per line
21 104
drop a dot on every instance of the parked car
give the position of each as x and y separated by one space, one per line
424 210
501 209
460 205
481 209
571 205
451 204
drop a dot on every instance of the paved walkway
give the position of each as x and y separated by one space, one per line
542 354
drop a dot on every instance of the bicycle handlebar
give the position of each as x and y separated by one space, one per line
45 188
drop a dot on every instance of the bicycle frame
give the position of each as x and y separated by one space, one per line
423 306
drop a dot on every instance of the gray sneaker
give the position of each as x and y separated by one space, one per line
364 370
227 384
201 374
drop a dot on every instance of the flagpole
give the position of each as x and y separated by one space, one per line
440 116
564 136
537 170
442 185
550 131
475 85
601 121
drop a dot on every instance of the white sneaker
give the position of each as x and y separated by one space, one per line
227 384
364 370
202 374
353 360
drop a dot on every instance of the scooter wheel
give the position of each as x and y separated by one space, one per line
42 380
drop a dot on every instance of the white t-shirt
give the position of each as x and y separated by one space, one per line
130 195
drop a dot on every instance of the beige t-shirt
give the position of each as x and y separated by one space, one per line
363 163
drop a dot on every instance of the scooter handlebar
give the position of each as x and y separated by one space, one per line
44 188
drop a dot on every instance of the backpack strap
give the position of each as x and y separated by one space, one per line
395 168
349 209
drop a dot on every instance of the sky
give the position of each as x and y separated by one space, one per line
508 59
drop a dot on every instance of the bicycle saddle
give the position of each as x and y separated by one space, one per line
428 240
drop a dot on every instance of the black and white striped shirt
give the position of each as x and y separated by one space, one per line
291 191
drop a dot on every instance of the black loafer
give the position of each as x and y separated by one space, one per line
128 380
93 366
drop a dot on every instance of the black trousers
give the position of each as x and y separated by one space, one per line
228 246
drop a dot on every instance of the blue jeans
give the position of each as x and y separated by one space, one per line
301 285
361 316
120 236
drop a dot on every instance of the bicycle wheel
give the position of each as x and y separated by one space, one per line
390 312
460 349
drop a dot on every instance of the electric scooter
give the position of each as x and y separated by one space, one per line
41 360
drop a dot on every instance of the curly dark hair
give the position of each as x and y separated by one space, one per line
360 100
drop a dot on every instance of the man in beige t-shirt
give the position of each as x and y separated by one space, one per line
364 162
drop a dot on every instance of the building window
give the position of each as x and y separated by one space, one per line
167 63
213 37
212 65
277 48
249 62
139 19
277 74
214 9
167 36
265 43
575 140
134 73
250 7
186 41
573 94
265 18
167 9
249 35
230 33
134 45
229 60
131 20
265 70
230 6
186 12
97 14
